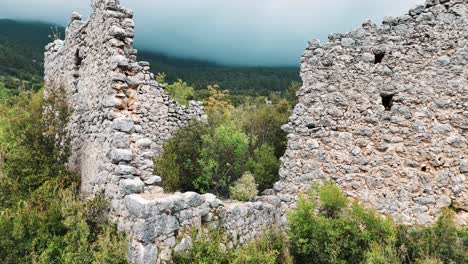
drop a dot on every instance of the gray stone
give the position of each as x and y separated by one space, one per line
121 155
125 125
131 186
464 166
125 170
144 143
347 42
153 180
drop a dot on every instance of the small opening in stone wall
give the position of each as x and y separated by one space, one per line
379 55
311 126
424 168
387 101
78 59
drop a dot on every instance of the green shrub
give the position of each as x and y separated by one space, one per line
207 249
222 160
264 166
179 164
270 248
262 123
329 230
444 241
245 189
42 217
180 91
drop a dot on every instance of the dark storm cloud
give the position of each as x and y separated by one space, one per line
239 32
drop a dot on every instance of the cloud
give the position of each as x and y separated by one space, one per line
238 32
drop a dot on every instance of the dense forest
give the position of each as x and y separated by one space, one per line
22 55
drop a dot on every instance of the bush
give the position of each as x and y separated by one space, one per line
179 164
445 241
222 159
270 248
180 91
245 189
42 217
329 230
262 123
208 248
264 166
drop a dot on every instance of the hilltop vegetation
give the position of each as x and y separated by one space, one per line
22 55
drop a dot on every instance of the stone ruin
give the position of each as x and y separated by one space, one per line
383 112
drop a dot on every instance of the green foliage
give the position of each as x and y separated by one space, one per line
245 189
265 166
271 248
262 122
444 241
222 159
211 157
180 91
28 148
207 249
292 91
338 233
179 164
42 217
332 199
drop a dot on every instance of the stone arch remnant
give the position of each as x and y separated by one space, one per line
383 112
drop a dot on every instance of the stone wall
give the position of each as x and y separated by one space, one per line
120 115
384 113
120 119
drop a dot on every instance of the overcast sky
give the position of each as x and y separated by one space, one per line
239 32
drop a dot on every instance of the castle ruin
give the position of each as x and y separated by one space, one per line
383 112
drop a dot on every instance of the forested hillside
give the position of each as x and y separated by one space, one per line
21 57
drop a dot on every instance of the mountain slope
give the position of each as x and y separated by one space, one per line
22 54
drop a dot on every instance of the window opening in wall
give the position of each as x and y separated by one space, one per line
78 59
379 57
387 101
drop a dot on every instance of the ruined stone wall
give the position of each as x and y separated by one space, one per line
120 115
384 113
120 119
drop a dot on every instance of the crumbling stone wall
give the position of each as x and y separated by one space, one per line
384 113
120 119
120 115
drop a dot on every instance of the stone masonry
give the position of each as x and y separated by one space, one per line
120 119
383 112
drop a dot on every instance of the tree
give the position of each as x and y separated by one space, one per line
264 166
217 105
222 159
330 230
179 164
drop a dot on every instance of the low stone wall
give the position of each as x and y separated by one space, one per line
159 224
